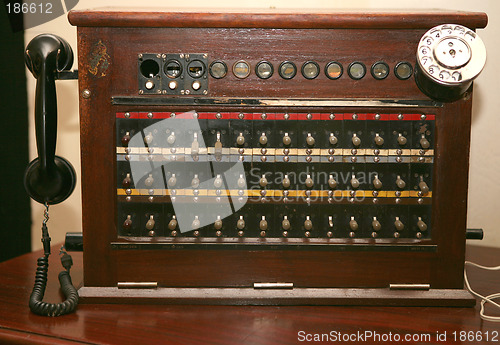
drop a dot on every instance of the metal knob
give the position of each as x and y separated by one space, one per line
171 138
399 224
332 183
218 223
218 147
333 139
308 223
402 139
240 140
196 223
149 180
127 181
287 140
173 223
263 139
424 143
356 141
310 140
148 139
285 223
379 141
376 226
240 224
400 183
353 224
263 181
172 181
127 224
286 182
263 224
195 146
195 182
354 182
150 225
377 183
126 139
309 182
241 182
423 186
421 225
218 182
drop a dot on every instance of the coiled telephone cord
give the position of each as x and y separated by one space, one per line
36 303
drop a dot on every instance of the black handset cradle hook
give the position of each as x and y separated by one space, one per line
49 178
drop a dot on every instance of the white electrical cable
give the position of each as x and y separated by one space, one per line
484 299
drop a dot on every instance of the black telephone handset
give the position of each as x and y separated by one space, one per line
49 179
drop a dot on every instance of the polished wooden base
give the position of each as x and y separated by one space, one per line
296 296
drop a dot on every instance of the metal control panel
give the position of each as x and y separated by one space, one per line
304 175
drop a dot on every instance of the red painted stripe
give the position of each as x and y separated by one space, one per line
274 116
133 115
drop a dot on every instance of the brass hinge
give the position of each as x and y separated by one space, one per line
273 285
137 285
409 286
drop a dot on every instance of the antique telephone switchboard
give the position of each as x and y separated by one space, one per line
276 157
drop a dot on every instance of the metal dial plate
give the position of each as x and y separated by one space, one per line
451 54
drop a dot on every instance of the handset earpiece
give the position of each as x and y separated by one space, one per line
49 178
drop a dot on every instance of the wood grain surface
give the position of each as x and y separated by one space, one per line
271 18
186 325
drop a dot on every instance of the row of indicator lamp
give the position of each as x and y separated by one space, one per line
311 70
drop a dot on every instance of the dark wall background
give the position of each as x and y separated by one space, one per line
15 216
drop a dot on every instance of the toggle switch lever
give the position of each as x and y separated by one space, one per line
377 183
399 224
379 141
354 182
402 139
353 224
332 183
400 183
195 146
218 148
424 188
172 225
356 141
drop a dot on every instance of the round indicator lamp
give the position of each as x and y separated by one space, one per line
173 69
449 58
196 68
264 70
218 69
241 69
356 70
288 70
334 70
310 70
403 70
380 70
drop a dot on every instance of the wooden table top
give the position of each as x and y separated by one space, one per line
161 324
